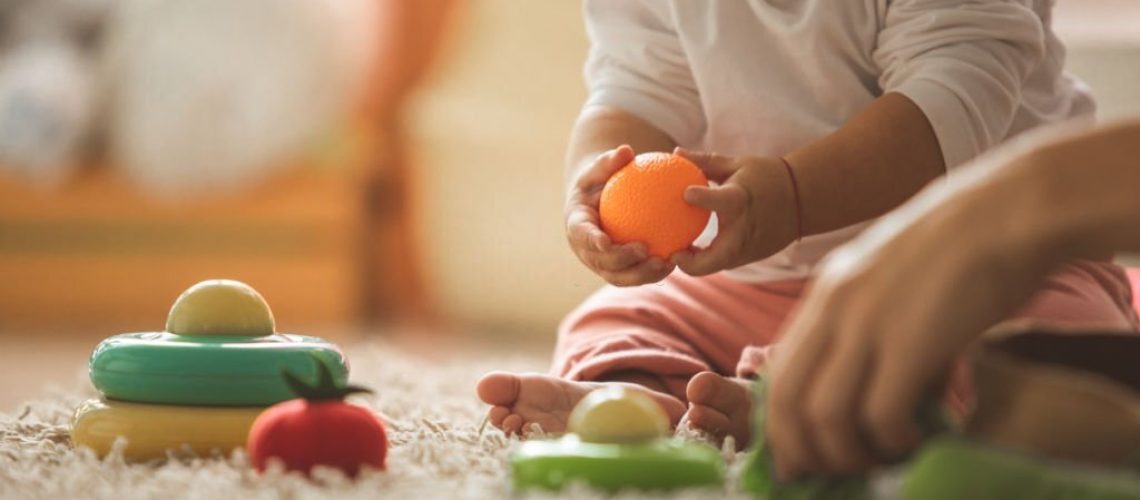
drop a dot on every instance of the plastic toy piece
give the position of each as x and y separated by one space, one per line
758 476
319 429
164 368
617 441
220 307
618 415
952 468
659 464
152 430
947 467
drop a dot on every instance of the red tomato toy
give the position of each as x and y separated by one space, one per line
319 428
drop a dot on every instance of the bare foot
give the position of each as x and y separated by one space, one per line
518 400
721 406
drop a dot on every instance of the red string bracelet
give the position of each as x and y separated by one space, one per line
796 195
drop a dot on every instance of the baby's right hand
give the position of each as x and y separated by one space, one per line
621 265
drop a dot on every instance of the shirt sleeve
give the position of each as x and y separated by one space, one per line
963 62
637 63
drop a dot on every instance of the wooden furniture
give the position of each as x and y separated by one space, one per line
328 241
98 254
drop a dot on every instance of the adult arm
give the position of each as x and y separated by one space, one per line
891 311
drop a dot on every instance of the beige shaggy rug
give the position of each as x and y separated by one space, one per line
433 419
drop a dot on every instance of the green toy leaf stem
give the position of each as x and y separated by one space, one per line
326 388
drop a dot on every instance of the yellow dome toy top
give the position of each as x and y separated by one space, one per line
220 308
618 415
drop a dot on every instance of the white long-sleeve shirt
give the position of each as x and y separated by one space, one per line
765 77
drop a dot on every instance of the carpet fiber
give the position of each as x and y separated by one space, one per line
433 417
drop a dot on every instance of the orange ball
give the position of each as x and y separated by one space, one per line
644 202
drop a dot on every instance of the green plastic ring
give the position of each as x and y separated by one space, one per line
163 368
661 464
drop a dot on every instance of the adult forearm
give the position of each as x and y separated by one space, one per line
601 128
872 164
1082 193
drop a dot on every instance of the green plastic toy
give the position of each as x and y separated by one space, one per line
618 441
759 477
163 368
660 464
219 349
950 468
947 467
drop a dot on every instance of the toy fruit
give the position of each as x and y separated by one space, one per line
220 307
618 415
318 429
619 440
643 202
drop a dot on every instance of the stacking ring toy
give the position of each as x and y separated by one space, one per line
618 441
200 384
165 368
151 430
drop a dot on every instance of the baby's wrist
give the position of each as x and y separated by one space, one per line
797 201
776 201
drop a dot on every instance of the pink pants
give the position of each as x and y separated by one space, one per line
685 325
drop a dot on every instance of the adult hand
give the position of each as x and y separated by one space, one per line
887 317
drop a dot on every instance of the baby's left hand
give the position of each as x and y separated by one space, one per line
755 207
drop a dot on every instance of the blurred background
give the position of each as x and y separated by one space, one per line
374 167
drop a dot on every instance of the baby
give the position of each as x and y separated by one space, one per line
824 116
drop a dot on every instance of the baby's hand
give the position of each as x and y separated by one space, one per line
621 265
755 205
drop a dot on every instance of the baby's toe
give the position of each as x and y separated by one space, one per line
512 425
499 388
715 391
497 414
709 420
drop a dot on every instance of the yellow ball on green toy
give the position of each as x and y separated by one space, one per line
618 415
220 308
